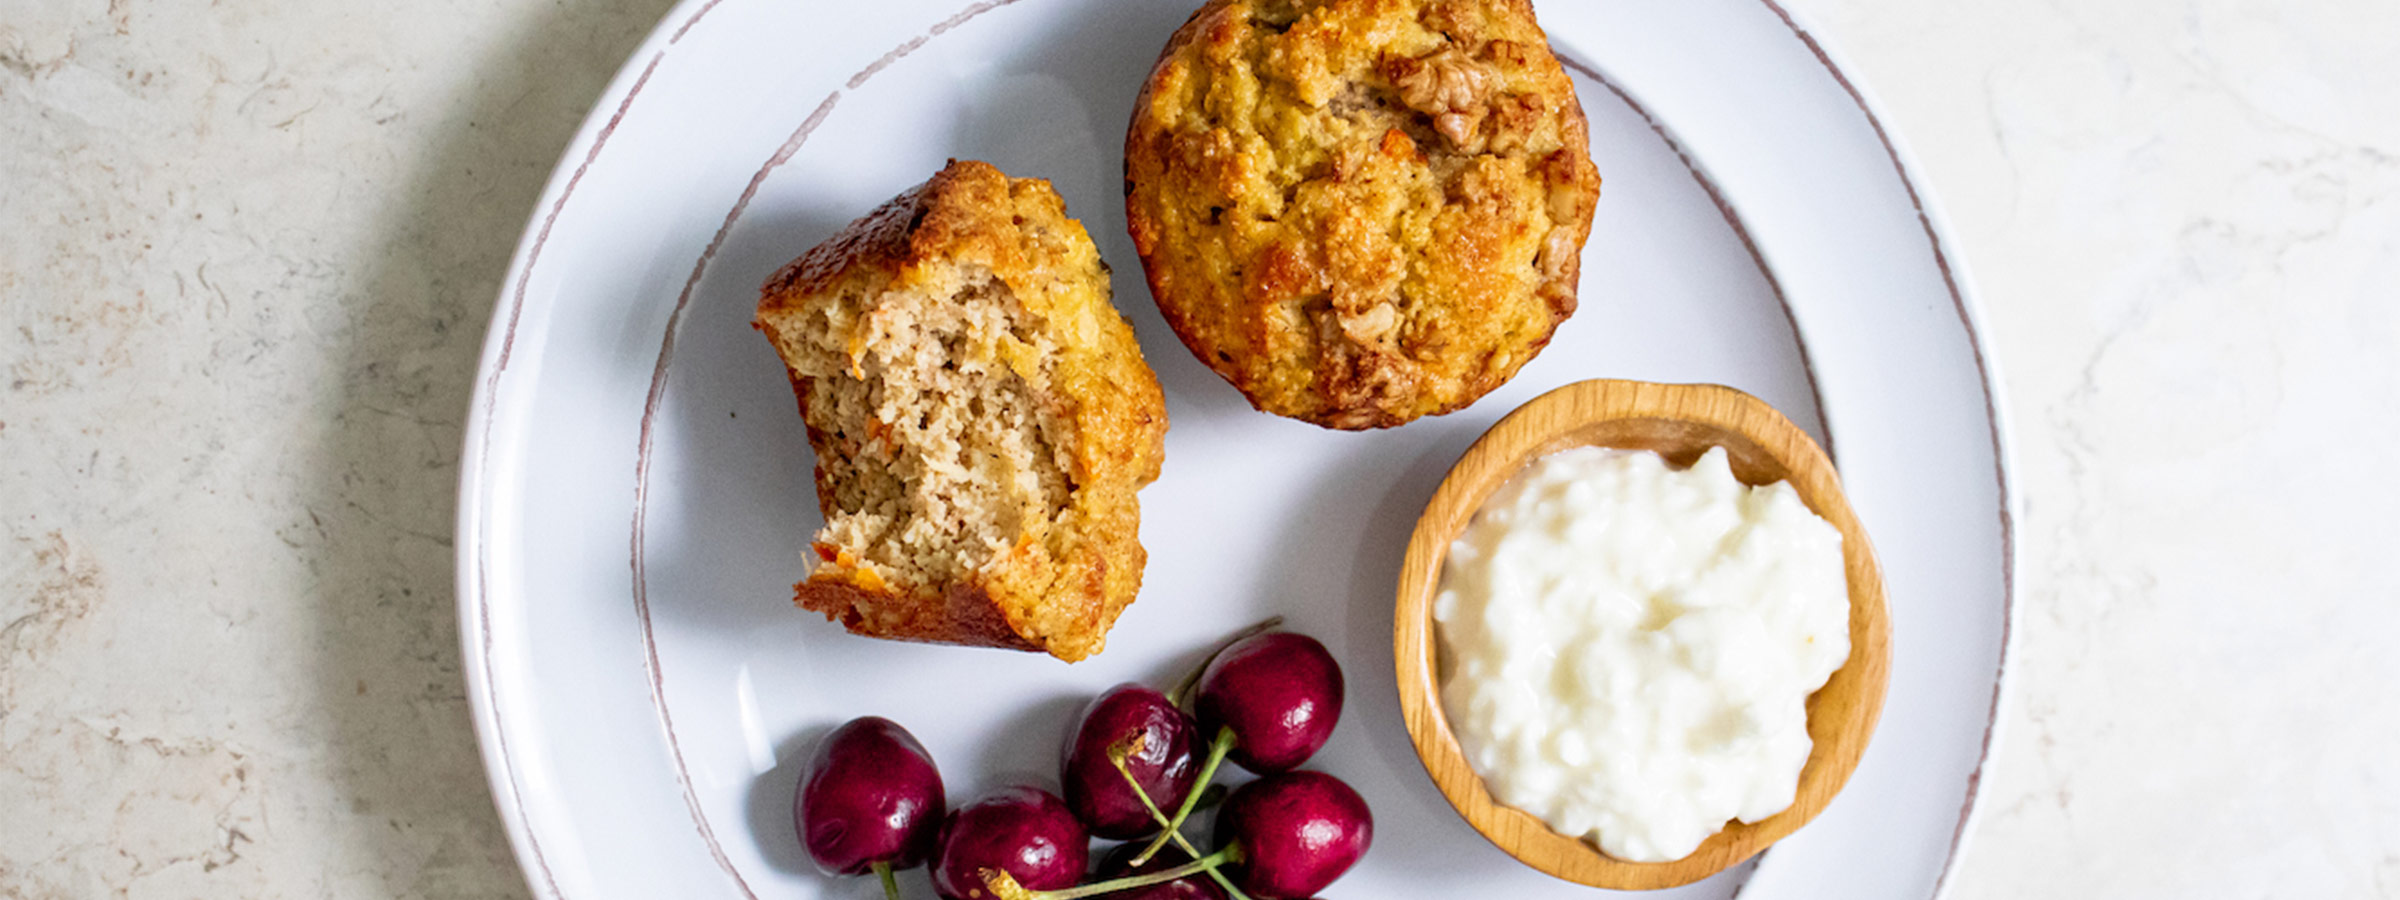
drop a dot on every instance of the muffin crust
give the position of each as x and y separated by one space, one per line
1360 212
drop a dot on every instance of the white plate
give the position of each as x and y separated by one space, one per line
636 496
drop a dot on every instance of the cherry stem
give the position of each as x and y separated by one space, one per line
1005 885
891 886
1217 749
1118 759
1183 689
1117 756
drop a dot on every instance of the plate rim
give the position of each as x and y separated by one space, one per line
1957 276
472 557
610 108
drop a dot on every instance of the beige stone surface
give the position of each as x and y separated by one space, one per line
2184 218
248 250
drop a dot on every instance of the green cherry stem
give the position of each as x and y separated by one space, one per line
1117 756
1005 886
1183 689
891 886
1217 749
1118 759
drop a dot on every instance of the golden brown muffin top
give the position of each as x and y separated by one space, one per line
1361 211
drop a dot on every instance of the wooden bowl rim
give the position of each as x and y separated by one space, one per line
1568 417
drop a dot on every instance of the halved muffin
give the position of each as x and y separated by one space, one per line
981 415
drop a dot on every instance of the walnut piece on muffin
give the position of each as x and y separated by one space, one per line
1360 212
981 415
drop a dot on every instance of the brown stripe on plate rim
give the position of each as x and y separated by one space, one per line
697 15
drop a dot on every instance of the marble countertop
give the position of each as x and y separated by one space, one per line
250 249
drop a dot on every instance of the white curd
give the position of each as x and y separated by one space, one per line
1628 649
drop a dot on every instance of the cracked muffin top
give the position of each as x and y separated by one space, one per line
1360 212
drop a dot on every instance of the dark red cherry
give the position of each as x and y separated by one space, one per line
1025 831
1280 692
872 795
1298 831
1163 760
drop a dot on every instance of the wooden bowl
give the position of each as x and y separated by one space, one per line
1680 422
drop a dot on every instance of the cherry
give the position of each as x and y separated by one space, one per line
1280 694
1295 832
1025 832
872 800
1158 745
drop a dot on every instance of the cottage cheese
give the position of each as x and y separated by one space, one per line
1629 649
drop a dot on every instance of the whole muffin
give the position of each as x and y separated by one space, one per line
981 416
1361 211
